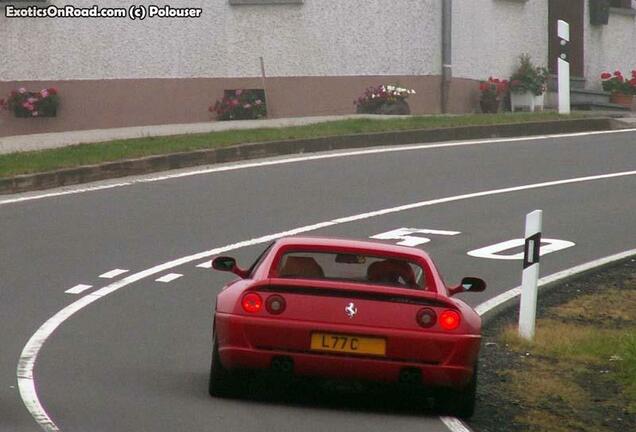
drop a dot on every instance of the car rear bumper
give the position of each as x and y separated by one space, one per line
253 342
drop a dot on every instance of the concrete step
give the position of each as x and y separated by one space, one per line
575 82
588 97
587 106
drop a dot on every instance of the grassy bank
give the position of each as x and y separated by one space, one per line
580 371
88 154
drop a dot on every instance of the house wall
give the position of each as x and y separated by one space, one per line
609 47
319 56
490 35
488 38
317 38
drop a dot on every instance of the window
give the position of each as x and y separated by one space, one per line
623 7
352 268
625 4
264 2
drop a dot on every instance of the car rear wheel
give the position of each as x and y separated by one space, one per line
223 382
459 403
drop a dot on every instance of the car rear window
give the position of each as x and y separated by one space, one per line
352 268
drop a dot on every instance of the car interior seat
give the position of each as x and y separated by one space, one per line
392 272
301 267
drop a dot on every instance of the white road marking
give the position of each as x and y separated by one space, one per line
454 424
205 265
169 277
492 252
113 273
406 237
33 346
304 158
78 289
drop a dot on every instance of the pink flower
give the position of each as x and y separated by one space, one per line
27 106
21 90
34 114
259 102
239 92
32 100
247 106
44 93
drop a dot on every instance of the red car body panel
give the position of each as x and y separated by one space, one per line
252 340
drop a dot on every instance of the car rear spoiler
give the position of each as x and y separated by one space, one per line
353 291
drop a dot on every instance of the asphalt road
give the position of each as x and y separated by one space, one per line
138 358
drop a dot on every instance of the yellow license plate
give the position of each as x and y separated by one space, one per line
348 344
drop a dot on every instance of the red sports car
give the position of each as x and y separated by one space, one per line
337 308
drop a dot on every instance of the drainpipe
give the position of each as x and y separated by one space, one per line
447 52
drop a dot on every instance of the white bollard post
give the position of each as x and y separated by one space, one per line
530 276
563 66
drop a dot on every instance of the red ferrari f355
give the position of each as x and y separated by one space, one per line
336 308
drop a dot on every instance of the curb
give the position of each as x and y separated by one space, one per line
149 164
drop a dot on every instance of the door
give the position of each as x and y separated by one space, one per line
572 12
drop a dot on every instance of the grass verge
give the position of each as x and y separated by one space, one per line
89 154
579 373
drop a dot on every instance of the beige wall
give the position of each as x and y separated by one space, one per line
95 104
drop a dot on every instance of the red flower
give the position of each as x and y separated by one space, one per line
483 86
606 75
618 73
632 82
52 91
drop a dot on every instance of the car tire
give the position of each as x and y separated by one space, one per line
223 382
459 403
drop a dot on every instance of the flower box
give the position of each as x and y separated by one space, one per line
622 89
27 104
240 104
385 100
622 99
492 91
526 100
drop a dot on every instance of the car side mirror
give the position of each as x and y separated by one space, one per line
224 263
469 284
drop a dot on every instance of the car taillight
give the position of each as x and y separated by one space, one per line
275 304
449 320
426 317
252 302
